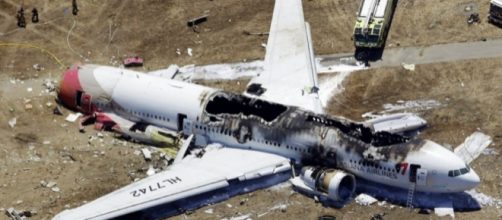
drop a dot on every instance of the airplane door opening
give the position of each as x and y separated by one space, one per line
181 117
86 103
413 172
421 177
78 98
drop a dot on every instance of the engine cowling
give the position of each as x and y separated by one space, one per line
335 184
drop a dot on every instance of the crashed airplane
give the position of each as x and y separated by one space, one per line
277 122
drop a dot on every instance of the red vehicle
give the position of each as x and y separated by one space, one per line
133 61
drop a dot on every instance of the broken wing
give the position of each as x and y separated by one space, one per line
192 176
289 75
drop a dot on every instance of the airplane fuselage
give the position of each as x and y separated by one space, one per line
237 121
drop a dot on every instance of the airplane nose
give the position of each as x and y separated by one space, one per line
468 181
68 88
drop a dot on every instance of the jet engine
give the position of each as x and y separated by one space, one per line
335 184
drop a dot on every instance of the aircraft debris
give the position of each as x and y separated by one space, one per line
28 106
194 22
255 33
49 85
189 51
29 89
445 208
178 51
13 214
378 216
473 18
473 146
150 171
209 211
51 184
365 199
425 211
133 61
73 117
327 217
146 154
38 67
410 67
12 122
55 189
57 110
490 151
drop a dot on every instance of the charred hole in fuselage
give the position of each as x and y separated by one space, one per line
359 131
238 104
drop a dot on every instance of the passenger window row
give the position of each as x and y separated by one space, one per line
229 133
148 115
374 165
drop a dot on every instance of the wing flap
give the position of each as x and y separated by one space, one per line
192 176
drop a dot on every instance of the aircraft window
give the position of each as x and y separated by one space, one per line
456 172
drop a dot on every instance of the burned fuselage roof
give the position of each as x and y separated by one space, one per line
253 121
227 103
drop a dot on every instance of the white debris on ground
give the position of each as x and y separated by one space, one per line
473 146
483 199
365 199
490 151
344 65
408 66
150 171
12 122
413 105
331 87
147 154
73 117
209 211
189 51
445 208
242 217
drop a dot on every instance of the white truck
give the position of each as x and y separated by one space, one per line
372 24
495 14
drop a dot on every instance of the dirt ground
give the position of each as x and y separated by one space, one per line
43 147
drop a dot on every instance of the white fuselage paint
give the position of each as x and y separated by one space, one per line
158 101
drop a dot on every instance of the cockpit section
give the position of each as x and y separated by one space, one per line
226 103
359 131
459 172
